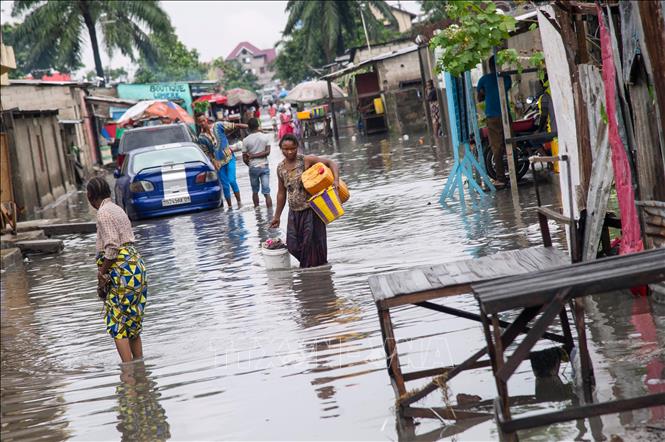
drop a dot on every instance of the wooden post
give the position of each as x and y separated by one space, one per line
585 359
570 38
331 105
423 79
508 133
501 385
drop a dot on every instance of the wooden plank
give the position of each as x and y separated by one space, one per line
510 284
561 85
414 298
551 214
582 412
652 16
602 172
614 267
507 135
427 278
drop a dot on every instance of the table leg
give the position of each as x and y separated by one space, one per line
585 360
390 347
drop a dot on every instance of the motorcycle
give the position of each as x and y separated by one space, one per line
522 150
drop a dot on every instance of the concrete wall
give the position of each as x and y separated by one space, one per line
64 98
40 171
393 70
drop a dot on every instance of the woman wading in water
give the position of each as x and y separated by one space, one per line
121 277
305 233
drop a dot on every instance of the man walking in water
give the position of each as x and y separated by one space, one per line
256 148
488 91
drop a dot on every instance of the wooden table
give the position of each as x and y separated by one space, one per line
420 285
546 293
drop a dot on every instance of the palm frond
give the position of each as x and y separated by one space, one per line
295 8
21 6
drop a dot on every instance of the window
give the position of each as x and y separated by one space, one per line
164 157
247 60
253 71
263 70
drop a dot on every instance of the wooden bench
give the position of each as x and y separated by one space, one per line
420 285
546 293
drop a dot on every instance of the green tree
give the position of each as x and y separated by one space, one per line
52 30
172 62
331 27
235 75
22 52
478 28
434 10
292 65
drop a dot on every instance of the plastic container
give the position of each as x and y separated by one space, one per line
317 178
378 106
327 205
320 177
276 259
303 115
343 191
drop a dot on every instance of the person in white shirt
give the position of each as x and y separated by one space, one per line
256 148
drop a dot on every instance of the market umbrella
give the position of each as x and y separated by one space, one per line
238 95
212 98
145 110
313 91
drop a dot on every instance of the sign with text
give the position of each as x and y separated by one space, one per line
177 91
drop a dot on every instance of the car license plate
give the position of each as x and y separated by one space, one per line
174 201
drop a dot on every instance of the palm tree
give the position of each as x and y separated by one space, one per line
54 28
330 25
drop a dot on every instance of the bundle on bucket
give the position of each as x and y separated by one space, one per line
275 254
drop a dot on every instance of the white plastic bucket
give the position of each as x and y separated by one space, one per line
276 258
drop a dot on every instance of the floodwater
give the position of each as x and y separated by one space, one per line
233 351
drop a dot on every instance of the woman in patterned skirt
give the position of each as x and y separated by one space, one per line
305 233
121 276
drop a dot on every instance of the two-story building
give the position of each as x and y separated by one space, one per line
257 61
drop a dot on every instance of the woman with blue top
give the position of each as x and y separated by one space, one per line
212 138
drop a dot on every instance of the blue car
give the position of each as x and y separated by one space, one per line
166 180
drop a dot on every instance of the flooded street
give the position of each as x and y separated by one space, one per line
233 351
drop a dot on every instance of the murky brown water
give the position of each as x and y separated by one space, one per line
236 352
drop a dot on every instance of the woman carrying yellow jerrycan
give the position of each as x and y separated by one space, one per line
306 232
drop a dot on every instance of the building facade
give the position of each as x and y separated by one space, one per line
68 97
257 61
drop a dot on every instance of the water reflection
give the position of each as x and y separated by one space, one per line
305 343
32 407
140 415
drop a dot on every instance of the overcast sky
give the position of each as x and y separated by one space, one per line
214 28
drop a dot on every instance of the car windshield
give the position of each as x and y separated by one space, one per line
165 157
153 136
